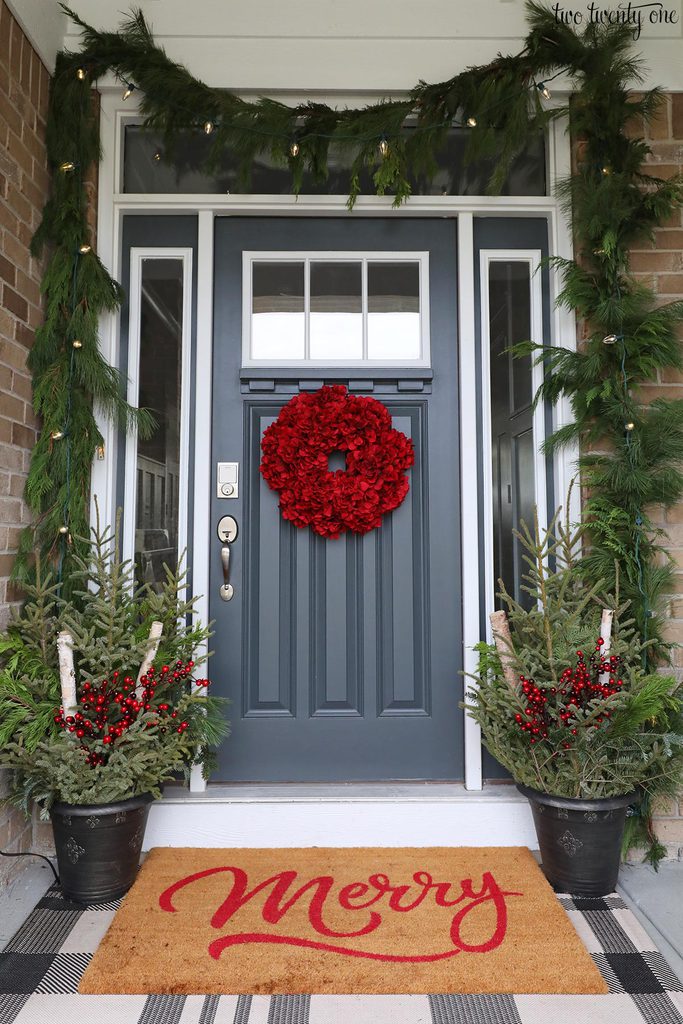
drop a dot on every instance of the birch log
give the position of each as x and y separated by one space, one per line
503 641
606 634
67 674
155 632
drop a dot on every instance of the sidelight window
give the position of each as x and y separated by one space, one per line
336 309
514 465
155 511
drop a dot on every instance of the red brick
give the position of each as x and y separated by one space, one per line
16 486
15 250
24 335
659 127
677 115
15 51
669 239
670 284
651 262
19 204
14 302
23 436
12 354
29 288
8 271
18 151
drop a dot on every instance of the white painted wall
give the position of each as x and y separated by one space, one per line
44 23
328 45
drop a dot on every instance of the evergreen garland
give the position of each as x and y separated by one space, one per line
631 455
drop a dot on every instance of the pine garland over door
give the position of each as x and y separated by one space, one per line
631 454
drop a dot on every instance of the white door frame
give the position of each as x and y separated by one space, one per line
113 204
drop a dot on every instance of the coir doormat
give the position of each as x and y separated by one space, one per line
361 921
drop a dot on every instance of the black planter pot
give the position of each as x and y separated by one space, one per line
580 840
98 847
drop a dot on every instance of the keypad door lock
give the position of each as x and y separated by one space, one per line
227 480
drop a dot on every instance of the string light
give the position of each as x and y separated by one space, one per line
157 156
383 148
57 435
471 122
85 248
130 89
63 530
294 149
544 90
208 127
612 339
80 74
606 170
68 165
629 426
77 343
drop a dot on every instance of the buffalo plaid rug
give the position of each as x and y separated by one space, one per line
41 966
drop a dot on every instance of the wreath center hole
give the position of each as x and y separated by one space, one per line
336 460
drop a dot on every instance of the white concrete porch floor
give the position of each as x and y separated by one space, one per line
656 899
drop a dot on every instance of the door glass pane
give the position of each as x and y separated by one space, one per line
336 311
278 318
514 489
394 310
158 457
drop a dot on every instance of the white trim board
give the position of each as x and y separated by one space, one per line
413 814
113 205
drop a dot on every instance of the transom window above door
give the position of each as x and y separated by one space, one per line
335 309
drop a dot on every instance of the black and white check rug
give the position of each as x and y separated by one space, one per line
41 966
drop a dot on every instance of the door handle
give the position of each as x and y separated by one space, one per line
227 532
227 590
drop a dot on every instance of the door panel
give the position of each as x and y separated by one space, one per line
341 657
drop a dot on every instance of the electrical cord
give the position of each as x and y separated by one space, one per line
4 853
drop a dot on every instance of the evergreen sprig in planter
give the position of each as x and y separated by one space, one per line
99 706
565 704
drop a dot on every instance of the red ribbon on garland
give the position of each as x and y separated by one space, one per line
295 461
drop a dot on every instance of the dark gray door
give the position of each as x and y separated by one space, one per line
341 657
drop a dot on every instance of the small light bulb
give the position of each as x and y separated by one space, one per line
294 149
544 90
606 170
208 127
610 339
471 122
599 252
629 426
129 91
57 435
63 530
83 249
66 166
77 343
383 148
80 74
157 156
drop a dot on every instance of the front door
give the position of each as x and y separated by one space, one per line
341 657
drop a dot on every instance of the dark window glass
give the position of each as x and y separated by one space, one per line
158 457
512 447
146 171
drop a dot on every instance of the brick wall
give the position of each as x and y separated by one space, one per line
24 83
660 265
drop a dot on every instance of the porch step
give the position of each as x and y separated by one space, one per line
376 814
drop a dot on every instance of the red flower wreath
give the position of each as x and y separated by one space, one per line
296 448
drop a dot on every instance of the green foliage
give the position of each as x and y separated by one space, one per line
167 730
617 739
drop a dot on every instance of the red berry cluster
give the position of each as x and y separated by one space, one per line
109 708
549 707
